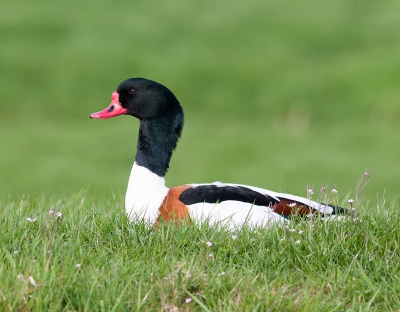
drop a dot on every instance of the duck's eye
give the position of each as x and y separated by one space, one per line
133 91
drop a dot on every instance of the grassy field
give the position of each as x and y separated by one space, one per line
79 254
278 95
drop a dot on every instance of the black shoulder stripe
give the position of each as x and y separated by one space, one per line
213 194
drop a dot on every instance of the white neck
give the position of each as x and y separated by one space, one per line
145 194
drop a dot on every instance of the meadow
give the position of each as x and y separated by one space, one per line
79 254
282 95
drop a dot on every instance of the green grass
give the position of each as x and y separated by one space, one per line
92 259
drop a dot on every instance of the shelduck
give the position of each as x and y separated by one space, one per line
147 197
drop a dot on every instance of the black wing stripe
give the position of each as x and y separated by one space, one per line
213 194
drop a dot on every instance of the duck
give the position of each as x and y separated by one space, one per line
148 198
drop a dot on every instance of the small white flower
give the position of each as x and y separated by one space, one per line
282 239
292 205
222 273
351 201
31 220
297 242
58 215
16 252
32 281
78 265
310 191
209 244
234 236
334 191
323 189
353 209
300 232
188 300
292 231
366 173
210 256
34 260
51 212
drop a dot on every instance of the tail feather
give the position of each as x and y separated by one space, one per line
339 210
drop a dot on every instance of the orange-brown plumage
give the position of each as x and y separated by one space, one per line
288 207
172 209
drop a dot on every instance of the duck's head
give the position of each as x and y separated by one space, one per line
141 98
160 115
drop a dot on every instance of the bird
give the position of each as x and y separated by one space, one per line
147 197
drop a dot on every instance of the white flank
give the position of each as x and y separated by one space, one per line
145 194
232 214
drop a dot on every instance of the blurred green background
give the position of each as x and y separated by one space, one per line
277 94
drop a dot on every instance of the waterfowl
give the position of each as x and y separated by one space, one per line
161 122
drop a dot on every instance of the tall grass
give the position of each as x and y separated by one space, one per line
75 253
